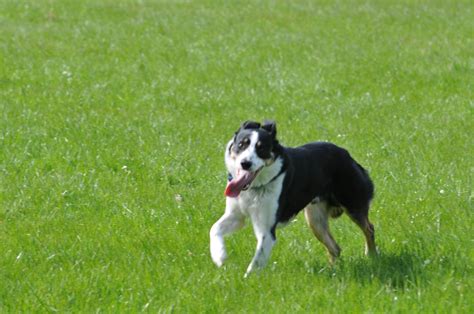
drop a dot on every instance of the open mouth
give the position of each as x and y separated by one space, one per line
241 182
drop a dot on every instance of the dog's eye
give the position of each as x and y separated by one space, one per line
260 147
244 142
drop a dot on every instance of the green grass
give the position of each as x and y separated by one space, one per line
110 109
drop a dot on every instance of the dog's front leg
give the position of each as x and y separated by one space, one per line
265 242
231 221
263 220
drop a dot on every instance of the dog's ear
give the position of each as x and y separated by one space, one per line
270 127
247 125
250 125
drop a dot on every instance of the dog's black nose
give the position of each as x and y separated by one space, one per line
246 164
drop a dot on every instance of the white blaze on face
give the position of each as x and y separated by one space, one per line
250 154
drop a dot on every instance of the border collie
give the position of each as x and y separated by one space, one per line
271 183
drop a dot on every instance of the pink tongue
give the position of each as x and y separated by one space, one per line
235 186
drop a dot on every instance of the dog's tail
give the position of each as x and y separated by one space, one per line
369 185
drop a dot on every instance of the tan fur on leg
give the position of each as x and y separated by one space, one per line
317 218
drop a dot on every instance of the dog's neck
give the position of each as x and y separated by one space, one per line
269 174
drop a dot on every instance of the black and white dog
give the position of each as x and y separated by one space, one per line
270 184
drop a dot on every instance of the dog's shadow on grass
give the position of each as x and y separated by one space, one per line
395 270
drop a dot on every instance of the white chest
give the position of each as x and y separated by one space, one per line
262 199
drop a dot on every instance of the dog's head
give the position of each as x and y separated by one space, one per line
249 155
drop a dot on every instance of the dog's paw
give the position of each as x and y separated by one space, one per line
219 262
249 271
372 253
218 251
252 271
218 257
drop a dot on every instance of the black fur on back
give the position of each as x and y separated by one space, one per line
322 170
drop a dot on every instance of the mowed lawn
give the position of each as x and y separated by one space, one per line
113 120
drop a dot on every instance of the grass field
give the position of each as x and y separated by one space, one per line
115 114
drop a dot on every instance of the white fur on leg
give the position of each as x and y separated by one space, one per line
218 252
262 208
264 247
231 221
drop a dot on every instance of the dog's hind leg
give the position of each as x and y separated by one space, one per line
317 215
361 218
